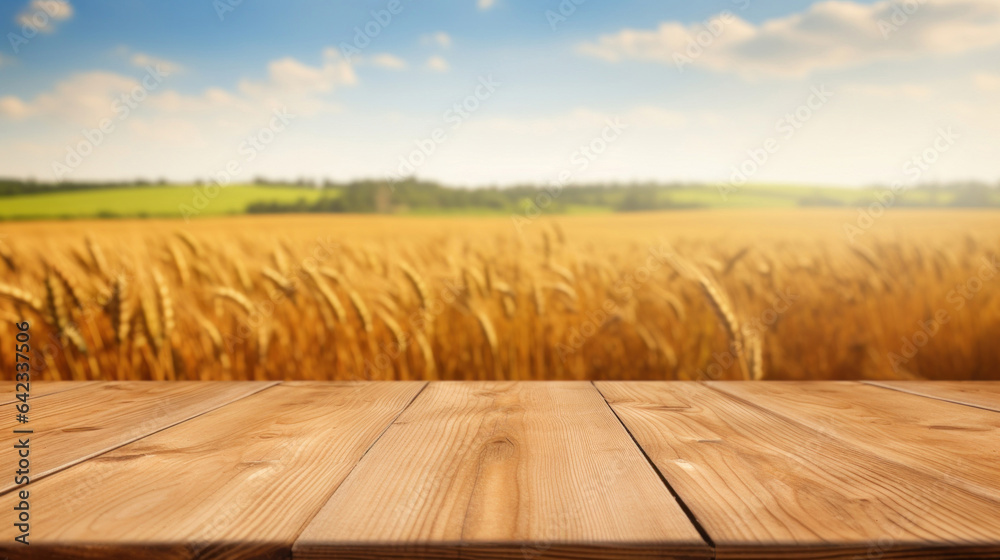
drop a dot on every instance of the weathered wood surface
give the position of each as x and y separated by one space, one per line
75 425
239 482
764 486
503 470
831 470
958 444
39 389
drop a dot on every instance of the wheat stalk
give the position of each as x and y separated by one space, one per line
489 332
724 311
280 281
394 328
331 298
191 242
8 257
361 309
22 297
180 263
164 303
418 284
241 301
119 307
97 257
59 316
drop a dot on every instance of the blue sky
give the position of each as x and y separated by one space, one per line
711 91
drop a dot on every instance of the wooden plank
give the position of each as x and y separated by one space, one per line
239 482
763 486
503 470
980 394
960 443
75 425
40 389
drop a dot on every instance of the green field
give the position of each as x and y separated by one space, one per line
176 201
788 196
160 202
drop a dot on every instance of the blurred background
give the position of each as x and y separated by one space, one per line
484 189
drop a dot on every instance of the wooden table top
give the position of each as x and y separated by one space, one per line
507 470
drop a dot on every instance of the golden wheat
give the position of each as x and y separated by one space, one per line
657 296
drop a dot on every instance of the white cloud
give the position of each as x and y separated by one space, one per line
142 60
484 4
386 60
167 132
438 64
88 97
987 82
440 39
292 82
83 98
43 15
829 34
13 107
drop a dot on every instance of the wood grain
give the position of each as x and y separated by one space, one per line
959 443
503 470
40 389
239 482
763 486
72 426
980 394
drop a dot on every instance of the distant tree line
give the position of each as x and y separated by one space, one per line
11 187
965 194
378 196
372 196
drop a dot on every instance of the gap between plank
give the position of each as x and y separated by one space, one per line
924 395
942 478
143 436
308 521
81 384
684 507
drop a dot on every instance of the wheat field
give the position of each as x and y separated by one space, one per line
682 295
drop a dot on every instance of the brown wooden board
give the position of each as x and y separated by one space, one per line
503 470
981 394
75 425
763 486
239 482
957 443
39 389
